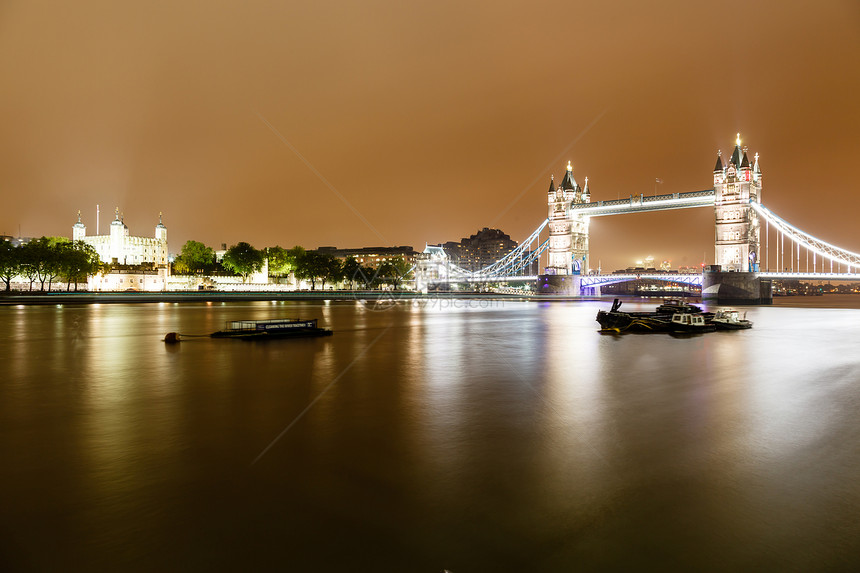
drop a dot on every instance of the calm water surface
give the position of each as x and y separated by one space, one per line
467 435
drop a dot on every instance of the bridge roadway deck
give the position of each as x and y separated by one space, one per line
596 280
643 203
810 276
690 279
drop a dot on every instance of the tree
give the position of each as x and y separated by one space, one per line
78 262
28 257
280 263
351 271
308 266
314 266
395 271
332 269
243 259
43 259
283 261
10 263
195 257
53 267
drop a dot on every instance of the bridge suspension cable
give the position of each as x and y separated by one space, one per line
802 239
519 258
517 262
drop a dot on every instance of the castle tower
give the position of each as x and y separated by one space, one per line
160 230
79 230
161 242
118 231
568 231
737 230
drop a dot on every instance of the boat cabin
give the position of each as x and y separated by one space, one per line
728 315
688 319
270 324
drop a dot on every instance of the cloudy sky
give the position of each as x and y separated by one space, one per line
399 123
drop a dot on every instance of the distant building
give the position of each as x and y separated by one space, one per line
430 265
372 256
479 250
130 278
16 241
119 247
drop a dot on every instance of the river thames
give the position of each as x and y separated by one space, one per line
468 435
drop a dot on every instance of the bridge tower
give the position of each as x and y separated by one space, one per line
736 185
568 230
568 237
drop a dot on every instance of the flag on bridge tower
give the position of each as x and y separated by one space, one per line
659 180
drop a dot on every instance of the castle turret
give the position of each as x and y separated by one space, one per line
117 239
79 230
718 168
569 183
160 230
161 242
757 172
736 154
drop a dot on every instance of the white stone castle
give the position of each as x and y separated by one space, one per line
119 247
736 185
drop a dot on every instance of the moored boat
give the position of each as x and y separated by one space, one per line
671 316
615 320
730 319
271 328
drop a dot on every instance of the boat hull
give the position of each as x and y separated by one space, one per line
272 329
686 319
272 334
721 325
624 322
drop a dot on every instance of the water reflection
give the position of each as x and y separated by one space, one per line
447 429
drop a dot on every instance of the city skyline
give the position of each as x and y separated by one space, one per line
384 124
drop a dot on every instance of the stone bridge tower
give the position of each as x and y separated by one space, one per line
736 185
568 230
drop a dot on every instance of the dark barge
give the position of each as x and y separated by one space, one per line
272 328
671 316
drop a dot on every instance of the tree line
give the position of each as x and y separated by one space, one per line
48 259
312 266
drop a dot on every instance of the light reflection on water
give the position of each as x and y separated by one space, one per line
476 437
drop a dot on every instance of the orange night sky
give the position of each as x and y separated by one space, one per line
400 123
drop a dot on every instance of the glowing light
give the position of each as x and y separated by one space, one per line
569 166
738 140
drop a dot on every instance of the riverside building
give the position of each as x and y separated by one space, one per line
481 249
119 247
372 256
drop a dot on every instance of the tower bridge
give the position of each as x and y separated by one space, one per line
741 274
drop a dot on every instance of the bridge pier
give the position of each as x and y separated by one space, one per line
735 288
559 284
